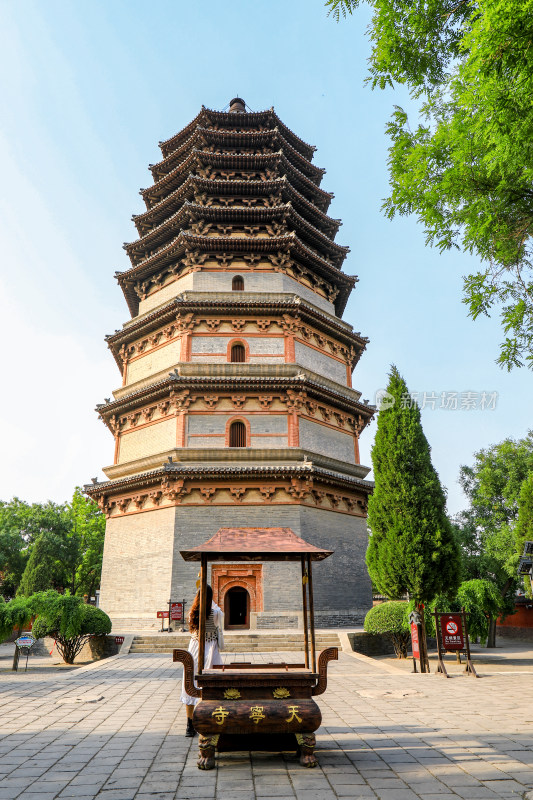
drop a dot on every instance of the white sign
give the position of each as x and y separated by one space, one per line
26 641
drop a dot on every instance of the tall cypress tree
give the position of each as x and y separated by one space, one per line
412 547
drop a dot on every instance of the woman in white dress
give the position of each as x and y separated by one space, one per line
214 640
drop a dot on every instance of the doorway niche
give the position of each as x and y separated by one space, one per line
247 578
237 609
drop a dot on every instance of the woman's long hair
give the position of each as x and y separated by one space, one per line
194 613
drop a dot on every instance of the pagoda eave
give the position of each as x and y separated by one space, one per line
139 249
242 120
195 184
235 245
228 138
188 384
306 473
200 160
167 314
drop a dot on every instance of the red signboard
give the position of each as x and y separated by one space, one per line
162 615
176 611
452 632
414 640
119 640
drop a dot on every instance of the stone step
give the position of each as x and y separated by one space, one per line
242 643
230 640
233 646
244 636
168 650
237 638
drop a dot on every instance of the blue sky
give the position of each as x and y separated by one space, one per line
88 90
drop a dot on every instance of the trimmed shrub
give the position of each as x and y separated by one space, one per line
69 621
390 619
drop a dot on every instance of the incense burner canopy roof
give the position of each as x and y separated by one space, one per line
255 544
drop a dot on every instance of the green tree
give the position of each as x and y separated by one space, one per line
483 603
13 557
487 529
412 547
89 524
21 524
14 616
53 557
69 620
524 523
465 169
390 620
493 483
65 546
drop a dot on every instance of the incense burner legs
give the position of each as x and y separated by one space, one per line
206 753
305 752
306 749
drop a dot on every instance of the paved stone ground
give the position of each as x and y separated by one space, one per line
509 655
385 735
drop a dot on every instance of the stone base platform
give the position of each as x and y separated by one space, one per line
245 642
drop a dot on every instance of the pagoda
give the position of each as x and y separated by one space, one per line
236 407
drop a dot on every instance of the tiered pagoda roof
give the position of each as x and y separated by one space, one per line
235 184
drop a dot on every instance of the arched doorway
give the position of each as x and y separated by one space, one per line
237 608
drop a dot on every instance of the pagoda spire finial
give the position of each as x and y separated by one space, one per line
237 105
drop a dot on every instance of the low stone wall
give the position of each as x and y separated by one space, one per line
99 647
377 644
371 644
94 650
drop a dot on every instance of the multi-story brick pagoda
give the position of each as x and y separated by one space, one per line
236 407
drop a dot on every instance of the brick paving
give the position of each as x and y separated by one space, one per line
385 735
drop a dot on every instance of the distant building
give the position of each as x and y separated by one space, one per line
236 406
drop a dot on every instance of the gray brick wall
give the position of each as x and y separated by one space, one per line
342 582
205 281
260 427
137 565
327 441
320 363
259 423
273 621
257 344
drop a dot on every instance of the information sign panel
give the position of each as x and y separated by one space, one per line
452 632
176 611
119 640
162 615
27 640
